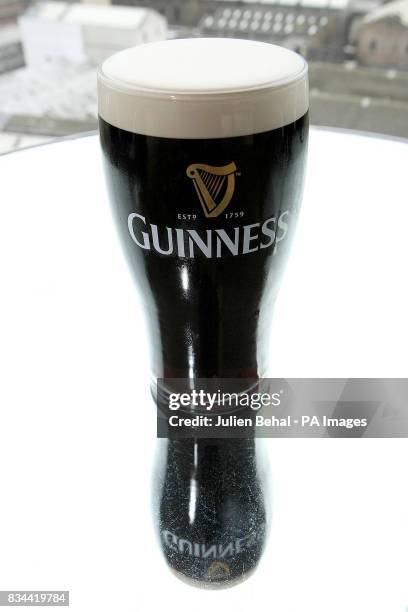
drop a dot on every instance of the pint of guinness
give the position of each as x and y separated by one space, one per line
204 145
204 142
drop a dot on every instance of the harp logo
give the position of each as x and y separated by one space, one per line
215 186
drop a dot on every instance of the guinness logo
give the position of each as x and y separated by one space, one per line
214 185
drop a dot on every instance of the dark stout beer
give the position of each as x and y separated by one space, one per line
204 145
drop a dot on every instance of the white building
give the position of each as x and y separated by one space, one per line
85 33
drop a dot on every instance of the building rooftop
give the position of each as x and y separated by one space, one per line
397 10
328 4
84 14
60 90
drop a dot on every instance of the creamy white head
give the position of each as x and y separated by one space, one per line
203 88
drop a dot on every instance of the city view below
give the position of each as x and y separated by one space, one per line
357 52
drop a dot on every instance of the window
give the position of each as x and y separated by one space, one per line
209 21
373 45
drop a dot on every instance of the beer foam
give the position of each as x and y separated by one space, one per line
203 88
